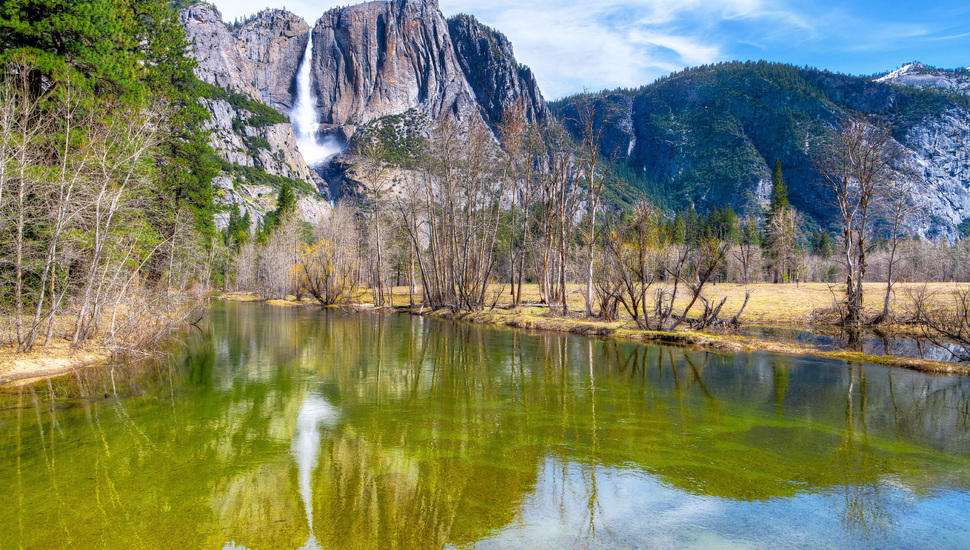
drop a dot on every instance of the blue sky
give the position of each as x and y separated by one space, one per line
577 44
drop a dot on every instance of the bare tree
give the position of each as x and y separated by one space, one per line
121 155
453 214
637 248
327 269
748 250
784 229
854 166
705 258
23 126
946 325
591 131
374 205
898 206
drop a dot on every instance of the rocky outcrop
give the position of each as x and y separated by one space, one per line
271 147
258 200
273 41
214 48
384 58
497 79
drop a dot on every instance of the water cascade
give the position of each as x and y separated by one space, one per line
305 120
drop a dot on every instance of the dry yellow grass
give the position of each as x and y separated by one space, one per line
776 304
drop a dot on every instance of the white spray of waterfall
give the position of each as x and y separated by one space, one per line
305 120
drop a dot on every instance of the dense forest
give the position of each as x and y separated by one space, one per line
105 173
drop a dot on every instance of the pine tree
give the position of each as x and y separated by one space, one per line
779 240
285 201
779 191
93 43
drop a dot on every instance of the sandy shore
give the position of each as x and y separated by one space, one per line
43 362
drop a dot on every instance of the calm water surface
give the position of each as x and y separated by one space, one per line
285 428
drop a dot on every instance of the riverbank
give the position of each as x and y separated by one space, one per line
785 306
728 343
56 359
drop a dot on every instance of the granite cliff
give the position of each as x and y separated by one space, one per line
496 78
372 63
385 58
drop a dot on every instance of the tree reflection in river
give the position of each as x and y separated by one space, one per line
299 428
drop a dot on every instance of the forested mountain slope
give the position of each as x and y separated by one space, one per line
708 136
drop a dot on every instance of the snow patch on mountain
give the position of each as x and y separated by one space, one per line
921 76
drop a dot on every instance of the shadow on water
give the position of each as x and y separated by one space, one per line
294 428
869 341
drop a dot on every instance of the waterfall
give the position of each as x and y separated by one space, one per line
306 122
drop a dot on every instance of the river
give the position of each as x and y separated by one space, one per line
303 428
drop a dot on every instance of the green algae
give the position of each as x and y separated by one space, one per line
450 434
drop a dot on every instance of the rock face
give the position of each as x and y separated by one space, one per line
384 58
254 65
273 150
273 41
219 61
709 136
499 82
259 58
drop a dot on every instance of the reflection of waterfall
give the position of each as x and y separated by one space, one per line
304 117
314 413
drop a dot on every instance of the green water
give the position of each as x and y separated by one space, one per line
292 428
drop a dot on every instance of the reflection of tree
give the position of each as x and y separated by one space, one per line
168 464
867 511
445 430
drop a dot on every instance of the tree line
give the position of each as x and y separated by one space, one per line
471 220
105 195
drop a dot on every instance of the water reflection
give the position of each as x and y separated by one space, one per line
304 429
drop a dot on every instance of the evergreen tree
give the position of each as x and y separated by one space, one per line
779 191
285 201
821 244
781 231
750 232
692 226
187 163
964 227
676 228
92 43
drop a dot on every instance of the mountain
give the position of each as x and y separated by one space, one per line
705 136
250 71
496 78
373 63
919 75
708 136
